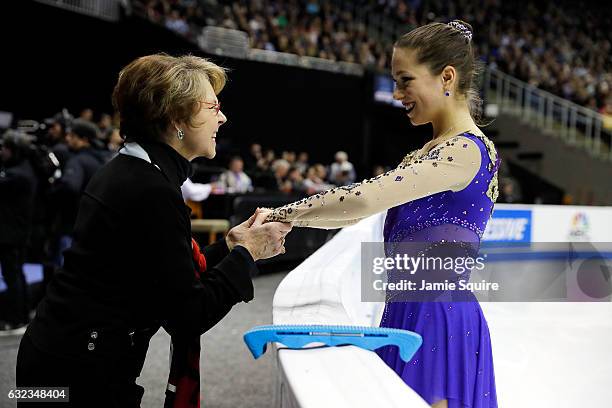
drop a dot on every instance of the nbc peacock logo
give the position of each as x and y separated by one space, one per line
579 227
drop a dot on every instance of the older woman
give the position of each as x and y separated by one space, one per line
133 267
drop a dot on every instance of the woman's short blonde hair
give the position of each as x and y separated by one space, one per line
156 90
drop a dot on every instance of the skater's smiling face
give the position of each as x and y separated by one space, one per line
420 91
434 70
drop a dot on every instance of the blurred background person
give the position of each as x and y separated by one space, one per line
280 169
296 179
55 138
17 192
378 170
321 172
235 180
252 157
267 159
80 168
105 124
86 115
342 172
313 183
302 162
115 141
509 191
289 156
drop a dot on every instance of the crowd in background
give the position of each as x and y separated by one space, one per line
266 172
293 173
44 168
562 47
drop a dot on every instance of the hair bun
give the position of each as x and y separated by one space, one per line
464 28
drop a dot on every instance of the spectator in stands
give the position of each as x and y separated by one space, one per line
105 124
510 190
176 22
115 142
342 172
606 112
86 115
267 159
235 180
321 172
155 10
17 192
296 179
134 265
378 170
302 162
289 156
253 157
263 175
56 136
281 168
313 183
79 169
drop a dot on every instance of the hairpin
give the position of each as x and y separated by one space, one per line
466 32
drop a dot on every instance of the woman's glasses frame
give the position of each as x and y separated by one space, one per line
216 106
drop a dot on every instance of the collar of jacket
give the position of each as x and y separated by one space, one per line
174 166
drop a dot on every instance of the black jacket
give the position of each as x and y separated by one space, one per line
17 191
130 268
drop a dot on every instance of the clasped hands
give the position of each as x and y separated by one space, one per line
262 239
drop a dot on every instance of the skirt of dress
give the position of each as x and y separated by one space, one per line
455 361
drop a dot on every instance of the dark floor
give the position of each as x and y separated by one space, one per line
230 375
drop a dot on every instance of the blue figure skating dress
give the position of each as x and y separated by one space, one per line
438 200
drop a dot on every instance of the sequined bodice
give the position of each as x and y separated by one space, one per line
469 208
447 216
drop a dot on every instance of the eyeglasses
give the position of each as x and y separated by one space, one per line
216 106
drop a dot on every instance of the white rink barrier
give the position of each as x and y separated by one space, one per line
549 223
325 289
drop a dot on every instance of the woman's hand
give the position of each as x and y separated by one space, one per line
264 212
261 240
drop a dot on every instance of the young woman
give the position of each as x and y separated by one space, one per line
441 193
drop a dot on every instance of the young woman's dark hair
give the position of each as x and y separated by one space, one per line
438 45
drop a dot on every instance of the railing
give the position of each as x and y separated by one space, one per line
103 9
572 123
234 43
320 64
224 42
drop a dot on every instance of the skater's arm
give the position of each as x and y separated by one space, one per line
450 166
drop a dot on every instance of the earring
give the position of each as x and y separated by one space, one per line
180 134
447 93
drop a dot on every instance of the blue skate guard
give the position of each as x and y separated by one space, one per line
297 336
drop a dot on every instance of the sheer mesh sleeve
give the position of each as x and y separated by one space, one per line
450 165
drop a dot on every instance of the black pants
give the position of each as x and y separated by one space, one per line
91 384
11 263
